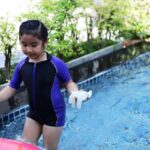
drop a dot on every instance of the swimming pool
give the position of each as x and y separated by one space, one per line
117 117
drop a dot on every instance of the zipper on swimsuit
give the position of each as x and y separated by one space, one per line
33 85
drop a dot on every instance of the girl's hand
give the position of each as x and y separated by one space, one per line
77 97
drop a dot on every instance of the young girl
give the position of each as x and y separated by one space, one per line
41 74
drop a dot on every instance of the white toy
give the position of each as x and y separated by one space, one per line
77 97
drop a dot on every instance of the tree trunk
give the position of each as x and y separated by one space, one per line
8 55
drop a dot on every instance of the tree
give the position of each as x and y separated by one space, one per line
8 39
111 16
138 23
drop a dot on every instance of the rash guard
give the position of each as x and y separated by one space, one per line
42 81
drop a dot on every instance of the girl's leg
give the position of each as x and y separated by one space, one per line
32 131
51 136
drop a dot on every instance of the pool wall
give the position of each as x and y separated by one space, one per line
89 65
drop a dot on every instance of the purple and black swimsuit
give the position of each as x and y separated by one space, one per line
42 81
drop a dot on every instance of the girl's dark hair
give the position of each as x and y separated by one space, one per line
35 28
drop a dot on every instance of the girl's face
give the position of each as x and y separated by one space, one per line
32 46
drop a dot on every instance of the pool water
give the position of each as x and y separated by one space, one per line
117 117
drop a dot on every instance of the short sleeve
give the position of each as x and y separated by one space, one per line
16 77
62 70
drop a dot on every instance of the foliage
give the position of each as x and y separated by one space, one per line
138 22
7 41
96 44
111 16
62 40
127 19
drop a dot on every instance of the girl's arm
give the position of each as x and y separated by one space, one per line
71 87
6 93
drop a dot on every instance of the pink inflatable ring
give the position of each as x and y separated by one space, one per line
7 144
